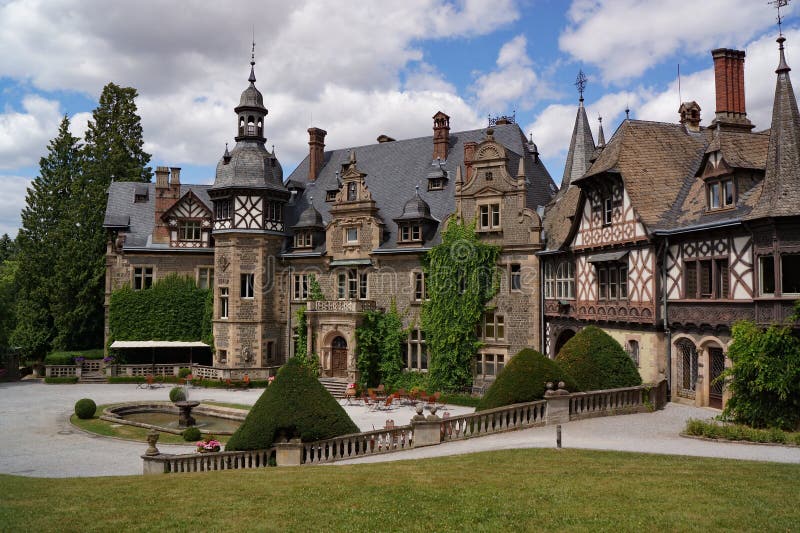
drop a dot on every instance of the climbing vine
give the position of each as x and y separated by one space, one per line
461 277
380 343
301 328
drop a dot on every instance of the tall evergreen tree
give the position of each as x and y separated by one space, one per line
37 245
113 152
7 247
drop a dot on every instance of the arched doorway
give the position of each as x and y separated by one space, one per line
687 366
562 339
339 357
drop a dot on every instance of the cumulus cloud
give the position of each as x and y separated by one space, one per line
624 38
24 134
11 202
513 83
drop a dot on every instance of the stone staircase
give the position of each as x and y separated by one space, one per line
336 386
92 377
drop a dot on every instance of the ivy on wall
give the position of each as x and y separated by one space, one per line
461 277
173 309
380 340
301 328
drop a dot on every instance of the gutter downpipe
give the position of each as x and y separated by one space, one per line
667 331
289 281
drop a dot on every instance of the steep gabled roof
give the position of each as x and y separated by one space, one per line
581 149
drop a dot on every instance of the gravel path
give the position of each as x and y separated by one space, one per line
36 438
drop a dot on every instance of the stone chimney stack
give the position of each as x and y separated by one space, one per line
441 135
316 152
469 155
167 193
690 116
729 84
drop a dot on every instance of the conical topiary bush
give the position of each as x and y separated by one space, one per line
597 361
523 380
295 405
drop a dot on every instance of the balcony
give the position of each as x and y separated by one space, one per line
341 306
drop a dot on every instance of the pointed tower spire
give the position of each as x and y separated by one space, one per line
581 146
521 168
601 138
782 174
252 78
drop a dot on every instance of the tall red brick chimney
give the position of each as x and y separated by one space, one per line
729 83
316 152
167 193
441 135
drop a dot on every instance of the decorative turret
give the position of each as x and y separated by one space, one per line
581 146
416 224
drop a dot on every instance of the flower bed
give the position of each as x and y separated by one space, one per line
737 432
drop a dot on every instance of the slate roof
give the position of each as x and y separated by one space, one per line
559 216
581 149
780 194
251 166
395 168
139 217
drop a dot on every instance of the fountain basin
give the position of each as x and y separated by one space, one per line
164 416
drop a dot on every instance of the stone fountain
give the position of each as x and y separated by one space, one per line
186 419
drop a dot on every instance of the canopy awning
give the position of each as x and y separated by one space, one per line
159 344
350 262
606 257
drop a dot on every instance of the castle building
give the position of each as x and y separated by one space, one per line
670 233
357 219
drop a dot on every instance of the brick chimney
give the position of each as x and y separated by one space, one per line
729 84
316 152
167 193
441 135
469 155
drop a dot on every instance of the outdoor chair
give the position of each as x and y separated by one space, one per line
387 404
349 396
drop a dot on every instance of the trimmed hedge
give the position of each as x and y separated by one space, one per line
738 432
67 357
523 380
295 405
596 361
177 394
85 408
190 434
67 380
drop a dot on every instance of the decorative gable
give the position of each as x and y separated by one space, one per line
189 222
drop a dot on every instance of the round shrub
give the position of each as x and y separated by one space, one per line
85 408
183 372
596 361
177 394
295 405
523 380
191 434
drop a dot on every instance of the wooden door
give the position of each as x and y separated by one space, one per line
339 358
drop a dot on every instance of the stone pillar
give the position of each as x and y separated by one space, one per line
289 453
557 404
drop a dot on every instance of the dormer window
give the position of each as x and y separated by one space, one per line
351 235
189 230
410 233
352 191
721 193
140 193
330 196
436 184
303 239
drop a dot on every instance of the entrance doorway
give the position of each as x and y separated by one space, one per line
717 364
339 357
562 339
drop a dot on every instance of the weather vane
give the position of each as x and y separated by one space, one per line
580 81
778 5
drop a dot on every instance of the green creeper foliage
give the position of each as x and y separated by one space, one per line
764 378
85 408
314 290
310 361
461 277
67 357
295 405
380 345
173 309
596 361
523 380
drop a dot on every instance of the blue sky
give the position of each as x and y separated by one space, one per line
361 69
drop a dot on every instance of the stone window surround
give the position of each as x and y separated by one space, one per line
416 351
488 363
493 212
300 284
224 302
303 239
247 285
346 237
143 276
352 285
629 348
514 277
417 277
493 326
409 232
209 276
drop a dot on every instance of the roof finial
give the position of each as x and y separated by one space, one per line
416 188
580 83
782 65
601 137
778 5
252 78
627 113
352 157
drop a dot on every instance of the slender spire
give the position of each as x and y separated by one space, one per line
601 138
782 65
521 168
581 149
580 83
252 78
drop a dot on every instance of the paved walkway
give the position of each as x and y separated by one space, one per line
36 438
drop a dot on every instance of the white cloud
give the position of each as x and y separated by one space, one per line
624 38
513 83
11 202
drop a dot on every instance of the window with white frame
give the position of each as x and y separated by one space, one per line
222 209
189 230
302 239
494 326
489 217
488 365
416 351
223 302
247 286
142 278
205 277
549 281
612 281
515 277
352 286
300 291
608 211
410 233
351 235
721 193
420 288
565 281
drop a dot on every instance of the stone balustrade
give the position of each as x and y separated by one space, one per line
358 445
207 462
506 418
60 371
617 401
341 306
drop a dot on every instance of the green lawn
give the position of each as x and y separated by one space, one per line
517 490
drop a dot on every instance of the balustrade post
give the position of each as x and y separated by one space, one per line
557 404
289 453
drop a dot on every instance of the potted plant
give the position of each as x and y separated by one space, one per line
208 444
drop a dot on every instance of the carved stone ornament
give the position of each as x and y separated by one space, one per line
152 439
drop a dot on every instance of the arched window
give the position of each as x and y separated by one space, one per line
687 368
565 281
633 351
251 125
241 125
260 127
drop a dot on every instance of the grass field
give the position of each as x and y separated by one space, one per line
517 490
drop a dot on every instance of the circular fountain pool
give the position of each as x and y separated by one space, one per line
163 416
